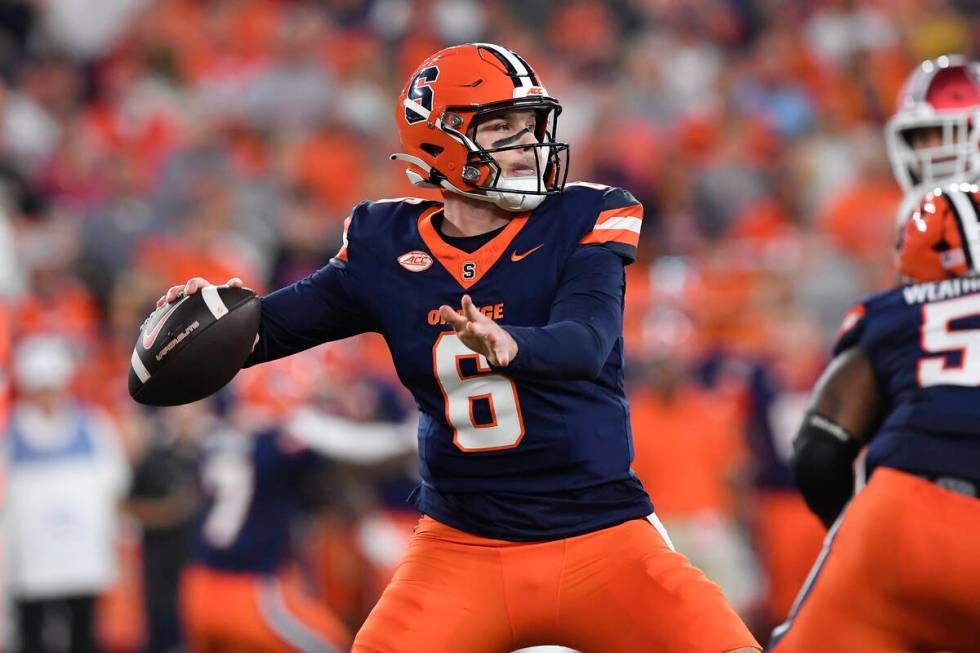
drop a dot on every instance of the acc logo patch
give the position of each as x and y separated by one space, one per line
415 261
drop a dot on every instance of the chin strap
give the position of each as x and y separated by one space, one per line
499 197
414 177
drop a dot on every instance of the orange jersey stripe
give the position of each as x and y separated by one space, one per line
624 236
632 211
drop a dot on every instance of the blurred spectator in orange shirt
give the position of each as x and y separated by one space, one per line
56 301
861 217
689 455
206 241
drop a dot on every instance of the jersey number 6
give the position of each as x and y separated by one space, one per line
463 389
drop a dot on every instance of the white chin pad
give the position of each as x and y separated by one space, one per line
512 193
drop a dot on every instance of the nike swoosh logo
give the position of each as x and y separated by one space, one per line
150 338
515 257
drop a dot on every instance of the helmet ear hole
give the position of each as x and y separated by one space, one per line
431 149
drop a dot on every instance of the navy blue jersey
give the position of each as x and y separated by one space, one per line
774 414
923 342
540 449
254 490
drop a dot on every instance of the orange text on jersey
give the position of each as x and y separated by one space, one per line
493 311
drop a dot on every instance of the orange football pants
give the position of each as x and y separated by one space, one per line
900 572
225 612
618 590
788 538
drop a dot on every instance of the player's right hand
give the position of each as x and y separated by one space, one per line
192 286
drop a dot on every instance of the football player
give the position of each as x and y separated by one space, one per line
899 570
502 306
934 136
239 594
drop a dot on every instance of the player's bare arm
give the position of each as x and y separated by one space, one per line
480 333
843 412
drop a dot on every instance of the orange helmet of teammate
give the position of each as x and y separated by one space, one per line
941 94
941 239
448 96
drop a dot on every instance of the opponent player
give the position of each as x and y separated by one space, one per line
934 136
899 570
535 531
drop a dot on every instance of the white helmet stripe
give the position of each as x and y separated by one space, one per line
416 107
966 212
522 72
918 85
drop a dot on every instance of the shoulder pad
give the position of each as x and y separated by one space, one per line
862 324
369 219
851 328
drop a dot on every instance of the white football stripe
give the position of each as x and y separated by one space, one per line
416 107
659 525
628 223
142 373
213 301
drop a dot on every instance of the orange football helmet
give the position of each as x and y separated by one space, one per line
941 93
941 239
438 110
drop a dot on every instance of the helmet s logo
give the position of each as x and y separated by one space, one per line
421 94
415 261
469 270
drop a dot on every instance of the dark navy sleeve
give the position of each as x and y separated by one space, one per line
585 321
320 308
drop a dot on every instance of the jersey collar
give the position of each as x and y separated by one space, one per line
468 267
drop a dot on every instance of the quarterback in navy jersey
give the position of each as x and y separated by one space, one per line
899 569
502 306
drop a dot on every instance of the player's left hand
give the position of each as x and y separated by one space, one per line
480 333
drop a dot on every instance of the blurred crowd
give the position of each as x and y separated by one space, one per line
143 142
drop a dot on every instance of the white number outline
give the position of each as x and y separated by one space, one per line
230 479
936 370
457 381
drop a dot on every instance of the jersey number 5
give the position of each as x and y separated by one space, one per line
937 337
462 389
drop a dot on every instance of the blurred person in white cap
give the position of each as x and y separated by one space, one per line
66 474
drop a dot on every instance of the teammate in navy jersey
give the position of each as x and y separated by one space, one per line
534 529
899 569
241 562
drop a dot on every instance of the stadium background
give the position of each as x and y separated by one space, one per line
143 142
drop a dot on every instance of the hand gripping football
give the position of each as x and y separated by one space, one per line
192 347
